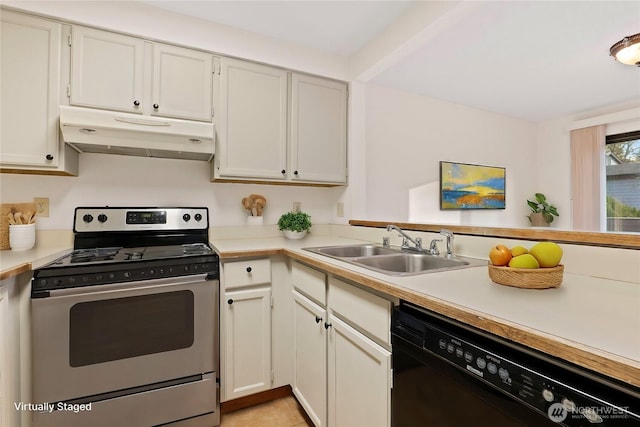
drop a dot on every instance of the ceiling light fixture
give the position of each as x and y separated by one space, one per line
627 50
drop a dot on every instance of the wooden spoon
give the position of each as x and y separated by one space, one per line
18 216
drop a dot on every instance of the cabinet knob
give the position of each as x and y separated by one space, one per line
327 325
136 103
156 106
248 269
318 319
49 157
229 301
295 173
283 171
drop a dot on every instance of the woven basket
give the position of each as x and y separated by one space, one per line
528 278
5 210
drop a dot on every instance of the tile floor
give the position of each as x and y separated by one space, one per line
284 412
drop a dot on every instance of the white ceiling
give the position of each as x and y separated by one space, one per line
529 59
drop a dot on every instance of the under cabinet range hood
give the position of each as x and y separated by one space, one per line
111 132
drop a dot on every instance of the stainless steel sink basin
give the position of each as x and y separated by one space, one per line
394 261
410 263
352 251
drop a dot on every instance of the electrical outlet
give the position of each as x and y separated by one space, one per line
297 206
42 206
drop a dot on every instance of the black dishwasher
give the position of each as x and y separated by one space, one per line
446 373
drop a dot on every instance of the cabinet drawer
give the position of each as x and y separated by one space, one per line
367 312
310 282
246 273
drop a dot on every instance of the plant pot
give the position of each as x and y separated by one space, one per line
294 235
538 220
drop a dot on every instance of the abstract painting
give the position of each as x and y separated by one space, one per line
465 186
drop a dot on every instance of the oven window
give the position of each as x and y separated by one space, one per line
113 329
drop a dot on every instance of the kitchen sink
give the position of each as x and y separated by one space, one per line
394 261
352 251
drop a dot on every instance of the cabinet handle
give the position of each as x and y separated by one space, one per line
318 319
327 325
283 171
136 103
295 173
229 301
248 269
49 157
156 106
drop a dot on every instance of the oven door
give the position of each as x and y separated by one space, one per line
99 339
428 391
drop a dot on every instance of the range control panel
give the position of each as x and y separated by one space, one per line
99 219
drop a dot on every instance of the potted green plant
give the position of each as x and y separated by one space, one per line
542 212
294 225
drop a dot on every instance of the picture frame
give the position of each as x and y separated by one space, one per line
466 186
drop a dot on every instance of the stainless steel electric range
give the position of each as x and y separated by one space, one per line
125 327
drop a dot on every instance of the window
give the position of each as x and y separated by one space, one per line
622 160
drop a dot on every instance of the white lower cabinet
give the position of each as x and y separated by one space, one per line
359 386
310 358
342 367
247 342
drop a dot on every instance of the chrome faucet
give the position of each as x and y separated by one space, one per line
448 234
433 248
406 239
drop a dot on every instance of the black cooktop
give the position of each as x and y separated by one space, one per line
93 256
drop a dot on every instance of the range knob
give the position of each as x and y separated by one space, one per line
102 218
492 368
547 395
197 217
87 218
481 363
186 217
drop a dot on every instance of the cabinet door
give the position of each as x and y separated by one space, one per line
251 121
318 129
310 358
107 70
30 54
182 82
359 379
247 342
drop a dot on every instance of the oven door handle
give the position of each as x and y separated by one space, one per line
127 286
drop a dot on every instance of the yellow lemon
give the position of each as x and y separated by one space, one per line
518 250
548 254
524 261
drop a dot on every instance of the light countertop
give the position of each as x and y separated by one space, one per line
593 322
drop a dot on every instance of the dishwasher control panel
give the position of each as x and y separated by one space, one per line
563 395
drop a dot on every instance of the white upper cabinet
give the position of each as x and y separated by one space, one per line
117 72
182 81
30 62
251 121
107 70
318 129
274 126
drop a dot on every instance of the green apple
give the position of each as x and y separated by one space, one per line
548 254
524 261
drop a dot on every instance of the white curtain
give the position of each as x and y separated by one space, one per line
587 149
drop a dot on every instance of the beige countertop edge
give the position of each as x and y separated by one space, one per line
613 365
16 263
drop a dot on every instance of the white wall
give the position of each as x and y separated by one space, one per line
136 181
408 135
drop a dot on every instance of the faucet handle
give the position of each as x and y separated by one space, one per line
433 247
385 242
